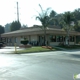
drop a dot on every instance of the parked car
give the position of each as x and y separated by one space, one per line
2 44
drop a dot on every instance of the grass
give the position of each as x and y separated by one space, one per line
43 49
36 49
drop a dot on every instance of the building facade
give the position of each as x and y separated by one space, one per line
35 36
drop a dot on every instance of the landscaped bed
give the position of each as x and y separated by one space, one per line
36 49
70 46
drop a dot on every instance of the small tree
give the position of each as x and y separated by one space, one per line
24 41
68 24
45 19
1 29
15 25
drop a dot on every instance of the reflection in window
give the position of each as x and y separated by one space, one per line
57 37
15 40
7 40
71 38
60 38
53 38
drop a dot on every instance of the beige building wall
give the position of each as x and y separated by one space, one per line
27 37
34 38
72 43
18 39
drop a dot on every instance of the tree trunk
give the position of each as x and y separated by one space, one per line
45 37
67 34
67 38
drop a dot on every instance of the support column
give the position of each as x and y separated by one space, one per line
13 41
8 41
74 40
18 41
56 38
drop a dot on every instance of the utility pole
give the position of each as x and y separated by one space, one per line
17 12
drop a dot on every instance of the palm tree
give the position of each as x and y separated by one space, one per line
67 20
44 18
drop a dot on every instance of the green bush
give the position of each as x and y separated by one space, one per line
24 41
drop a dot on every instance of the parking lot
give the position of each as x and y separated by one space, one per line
55 65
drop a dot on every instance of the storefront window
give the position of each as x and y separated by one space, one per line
59 38
53 38
15 39
71 38
9 40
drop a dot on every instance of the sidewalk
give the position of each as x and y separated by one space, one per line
10 47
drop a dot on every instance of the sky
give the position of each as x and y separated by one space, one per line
28 9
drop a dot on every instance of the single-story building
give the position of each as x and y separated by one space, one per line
35 36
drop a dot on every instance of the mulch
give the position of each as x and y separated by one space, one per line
47 47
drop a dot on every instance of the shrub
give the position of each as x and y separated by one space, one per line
24 41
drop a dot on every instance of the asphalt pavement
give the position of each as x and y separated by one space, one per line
55 65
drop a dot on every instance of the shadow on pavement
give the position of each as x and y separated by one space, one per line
75 55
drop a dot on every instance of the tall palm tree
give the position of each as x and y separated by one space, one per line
67 20
44 18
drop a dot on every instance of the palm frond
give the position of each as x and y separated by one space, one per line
39 18
47 12
67 17
41 9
